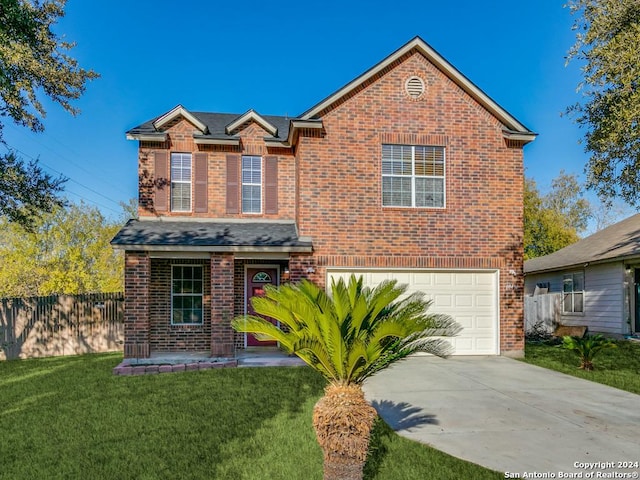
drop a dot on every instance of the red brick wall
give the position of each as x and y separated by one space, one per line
223 291
136 305
340 185
163 336
180 139
333 189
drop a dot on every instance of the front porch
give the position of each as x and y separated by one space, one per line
185 280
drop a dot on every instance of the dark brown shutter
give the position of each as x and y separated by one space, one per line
271 185
200 197
161 182
233 183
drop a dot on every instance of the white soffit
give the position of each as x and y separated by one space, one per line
215 141
147 137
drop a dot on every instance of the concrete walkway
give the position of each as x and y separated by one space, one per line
267 357
510 416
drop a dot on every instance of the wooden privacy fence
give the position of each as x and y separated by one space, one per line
542 312
61 325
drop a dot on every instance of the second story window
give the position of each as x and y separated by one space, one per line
413 176
180 182
251 184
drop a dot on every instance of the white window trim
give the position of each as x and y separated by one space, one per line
414 176
186 295
572 293
190 182
243 184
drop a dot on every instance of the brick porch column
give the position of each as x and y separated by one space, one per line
137 273
222 303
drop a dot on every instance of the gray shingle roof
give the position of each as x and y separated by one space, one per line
619 241
210 236
216 122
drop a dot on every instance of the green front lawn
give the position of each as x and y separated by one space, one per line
616 367
70 418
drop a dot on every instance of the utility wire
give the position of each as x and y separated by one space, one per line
11 149
93 201
66 159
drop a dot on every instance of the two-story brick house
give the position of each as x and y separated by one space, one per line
409 171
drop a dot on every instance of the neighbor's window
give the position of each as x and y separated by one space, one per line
180 182
186 294
251 184
412 176
573 293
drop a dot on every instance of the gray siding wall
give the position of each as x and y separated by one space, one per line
606 298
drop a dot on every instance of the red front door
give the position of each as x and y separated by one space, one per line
257 278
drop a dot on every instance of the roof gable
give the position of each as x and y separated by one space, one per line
513 128
179 111
222 128
215 125
251 116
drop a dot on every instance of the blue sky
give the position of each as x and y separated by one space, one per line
282 58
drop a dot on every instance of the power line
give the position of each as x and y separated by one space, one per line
93 201
61 173
66 159
101 205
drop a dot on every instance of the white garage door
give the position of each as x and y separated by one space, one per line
470 297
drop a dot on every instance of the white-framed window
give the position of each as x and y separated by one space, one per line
181 182
573 292
413 176
251 184
186 294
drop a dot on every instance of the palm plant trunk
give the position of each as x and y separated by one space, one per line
343 420
586 364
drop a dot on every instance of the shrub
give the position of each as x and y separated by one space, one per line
587 348
538 333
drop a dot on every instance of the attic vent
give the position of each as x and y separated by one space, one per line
414 86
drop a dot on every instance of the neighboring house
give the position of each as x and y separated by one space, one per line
596 279
409 171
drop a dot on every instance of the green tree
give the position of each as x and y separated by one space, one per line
606 213
33 61
545 229
565 198
129 209
26 191
608 45
347 336
67 251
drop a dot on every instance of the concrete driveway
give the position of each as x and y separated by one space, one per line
510 416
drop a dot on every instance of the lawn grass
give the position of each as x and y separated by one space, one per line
617 367
70 418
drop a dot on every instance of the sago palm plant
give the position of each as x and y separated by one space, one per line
587 348
347 335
